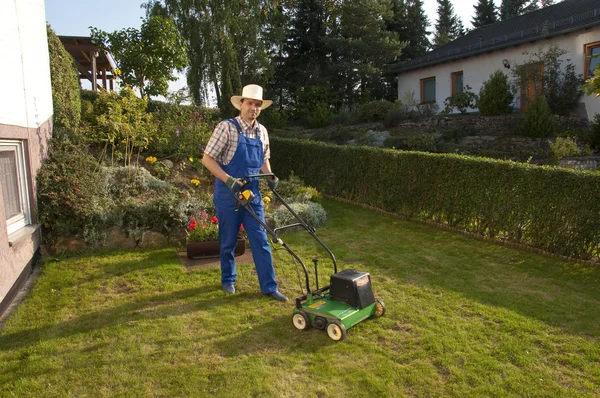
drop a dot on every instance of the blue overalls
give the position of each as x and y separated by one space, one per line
247 160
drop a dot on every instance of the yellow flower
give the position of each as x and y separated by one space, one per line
151 159
195 182
266 200
117 71
191 160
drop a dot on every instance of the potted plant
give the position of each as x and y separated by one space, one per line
203 237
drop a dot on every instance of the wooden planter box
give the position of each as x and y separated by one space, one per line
196 250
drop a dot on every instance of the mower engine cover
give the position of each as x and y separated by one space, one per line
352 287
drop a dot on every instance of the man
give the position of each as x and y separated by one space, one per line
237 148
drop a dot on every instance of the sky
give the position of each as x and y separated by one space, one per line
74 17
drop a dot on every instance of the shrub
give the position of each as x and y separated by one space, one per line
460 101
72 194
120 120
345 115
538 121
374 111
124 182
561 86
458 132
421 142
496 95
65 84
595 133
312 213
182 129
563 147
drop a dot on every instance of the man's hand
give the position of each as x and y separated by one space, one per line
235 184
272 181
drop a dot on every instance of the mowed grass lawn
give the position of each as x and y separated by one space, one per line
464 318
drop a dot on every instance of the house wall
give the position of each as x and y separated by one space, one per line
477 69
25 115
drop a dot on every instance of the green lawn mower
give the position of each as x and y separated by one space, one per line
346 301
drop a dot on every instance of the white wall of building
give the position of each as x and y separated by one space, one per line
477 69
25 89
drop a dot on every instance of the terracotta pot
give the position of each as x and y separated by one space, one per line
211 249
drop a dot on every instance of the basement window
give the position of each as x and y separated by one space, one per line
13 181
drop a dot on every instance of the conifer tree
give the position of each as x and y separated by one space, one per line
448 26
514 8
485 13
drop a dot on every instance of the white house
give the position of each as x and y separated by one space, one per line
572 25
25 127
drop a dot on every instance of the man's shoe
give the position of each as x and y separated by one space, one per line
277 296
229 289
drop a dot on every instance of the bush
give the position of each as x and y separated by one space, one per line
374 111
496 95
458 132
72 194
563 147
461 101
538 121
120 120
595 133
125 182
312 213
65 84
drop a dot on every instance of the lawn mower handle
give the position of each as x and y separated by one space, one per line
301 223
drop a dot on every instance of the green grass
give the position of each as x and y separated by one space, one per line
464 318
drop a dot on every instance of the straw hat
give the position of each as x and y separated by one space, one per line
251 91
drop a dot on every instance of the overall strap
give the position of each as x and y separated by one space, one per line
238 127
236 124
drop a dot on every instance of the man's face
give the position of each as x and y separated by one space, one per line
250 109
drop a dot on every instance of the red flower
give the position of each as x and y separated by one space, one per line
242 227
214 220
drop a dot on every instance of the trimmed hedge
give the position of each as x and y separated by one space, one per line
557 210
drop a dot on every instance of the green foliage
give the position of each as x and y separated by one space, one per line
496 95
538 121
182 129
65 84
448 26
595 132
461 101
126 182
485 13
551 208
312 213
72 193
563 147
119 120
560 86
374 111
458 132
592 84
146 57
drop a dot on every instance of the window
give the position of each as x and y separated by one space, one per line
590 63
14 185
428 90
457 82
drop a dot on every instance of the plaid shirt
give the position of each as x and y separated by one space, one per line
224 140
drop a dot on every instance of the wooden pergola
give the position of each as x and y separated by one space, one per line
90 61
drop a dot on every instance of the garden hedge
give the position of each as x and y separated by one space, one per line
557 210
65 84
